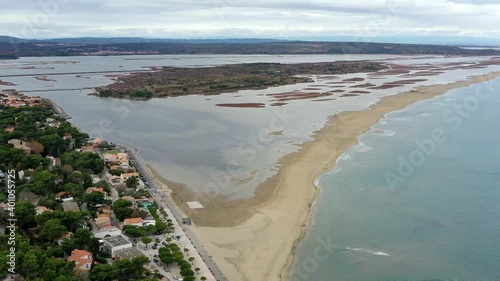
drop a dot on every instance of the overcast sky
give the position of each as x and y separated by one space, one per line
285 19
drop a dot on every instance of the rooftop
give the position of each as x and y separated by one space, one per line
129 253
117 241
70 206
132 221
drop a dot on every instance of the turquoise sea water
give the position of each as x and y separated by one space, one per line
437 218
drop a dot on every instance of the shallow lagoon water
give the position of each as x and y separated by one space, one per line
189 139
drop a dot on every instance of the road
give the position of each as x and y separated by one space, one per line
164 201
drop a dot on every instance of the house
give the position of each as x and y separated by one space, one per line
83 259
88 148
67 136
107 232
52 123
19 144
128 198
64 196
69 206
97 141
10 129
125 176
95 179
133 221
147 222
120 158
54 161
105 209
94 189
115 243
66 235
115 181
144 202
103 220
41 209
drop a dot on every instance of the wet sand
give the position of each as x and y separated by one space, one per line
255 239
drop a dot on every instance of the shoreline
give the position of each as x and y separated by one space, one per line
237 232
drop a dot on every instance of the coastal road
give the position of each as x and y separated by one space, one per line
164 201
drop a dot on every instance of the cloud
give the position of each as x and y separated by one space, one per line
243 18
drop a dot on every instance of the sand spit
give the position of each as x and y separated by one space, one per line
255 239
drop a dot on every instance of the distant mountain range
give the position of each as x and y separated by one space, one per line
123 40
11 47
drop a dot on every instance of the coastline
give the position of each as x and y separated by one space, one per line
245 237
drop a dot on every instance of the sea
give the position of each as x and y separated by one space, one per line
417 199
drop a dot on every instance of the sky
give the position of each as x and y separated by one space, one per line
426 21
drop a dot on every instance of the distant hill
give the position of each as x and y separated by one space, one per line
12 47
122 40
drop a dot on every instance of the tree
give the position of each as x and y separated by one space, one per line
37 147
83 238
184 265
94 198
25 214
146 240
186 250
52 229
160 225
197 270
189 278
131 269
30 265
132 232
203 278
103 272
191 260
47 179
132 182
187 272
121 209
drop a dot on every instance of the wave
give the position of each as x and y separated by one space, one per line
378 253
361 147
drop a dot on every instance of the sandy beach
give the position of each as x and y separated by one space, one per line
255 239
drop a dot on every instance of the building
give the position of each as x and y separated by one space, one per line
41 209
64 196
19 144
115 243
94 189
127 254
103 220
125 176
107 232
133 221
115 181
83 259
88 148
54 161
66 235
69 206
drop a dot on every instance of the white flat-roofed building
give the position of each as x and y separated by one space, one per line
115 243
